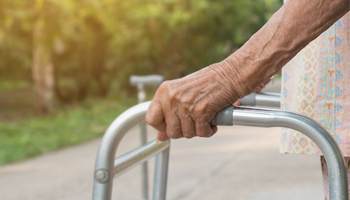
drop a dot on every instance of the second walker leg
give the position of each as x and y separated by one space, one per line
144 166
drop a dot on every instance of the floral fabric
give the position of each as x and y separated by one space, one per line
316 83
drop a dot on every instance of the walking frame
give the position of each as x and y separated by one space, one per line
141 82
108 167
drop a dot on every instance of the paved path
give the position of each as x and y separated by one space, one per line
240 163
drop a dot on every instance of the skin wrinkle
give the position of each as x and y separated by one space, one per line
189 123
234 83
321 3
200 95
222 77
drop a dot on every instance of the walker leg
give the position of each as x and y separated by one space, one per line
161 175
144 166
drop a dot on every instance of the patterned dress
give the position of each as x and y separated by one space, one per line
316 83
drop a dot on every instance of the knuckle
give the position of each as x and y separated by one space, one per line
164 85
162 88
200 110
149 120
171 93
174 94
173 134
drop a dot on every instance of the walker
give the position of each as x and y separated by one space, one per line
108 167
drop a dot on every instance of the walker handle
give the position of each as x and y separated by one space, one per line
223 117
146 80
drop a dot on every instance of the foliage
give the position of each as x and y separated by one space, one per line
31 137
15 40
94 44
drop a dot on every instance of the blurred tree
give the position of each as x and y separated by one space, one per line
83 57
177 37
15 40
42 67
94 44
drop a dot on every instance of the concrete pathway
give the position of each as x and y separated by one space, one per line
240 163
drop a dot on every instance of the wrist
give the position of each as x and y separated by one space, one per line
234 76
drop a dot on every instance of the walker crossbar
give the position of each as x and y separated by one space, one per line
104 167
146 80
137 156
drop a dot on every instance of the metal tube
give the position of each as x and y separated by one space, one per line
268 99
161 175
137 156
338 183
261 99
141 82
143 140
241 116
103 174
144 166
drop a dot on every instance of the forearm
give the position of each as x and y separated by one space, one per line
290 29
184 107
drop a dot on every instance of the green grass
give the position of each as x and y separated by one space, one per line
31 137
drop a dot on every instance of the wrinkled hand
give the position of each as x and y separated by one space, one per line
184 107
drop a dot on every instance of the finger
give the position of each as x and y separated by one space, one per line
203 130
214 128
155 116
188 128
162 137
237 103
173 128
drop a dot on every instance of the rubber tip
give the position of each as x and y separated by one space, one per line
224 117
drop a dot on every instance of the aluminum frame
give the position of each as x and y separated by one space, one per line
141 82
105 168
106 165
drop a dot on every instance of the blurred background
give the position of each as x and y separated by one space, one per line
64 77
65 65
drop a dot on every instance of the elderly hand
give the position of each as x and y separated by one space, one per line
185 106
